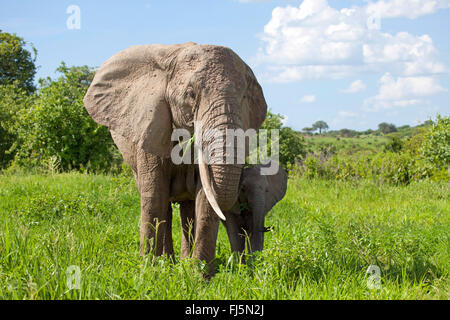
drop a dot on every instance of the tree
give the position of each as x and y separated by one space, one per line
348 133
386 128
272 121
394 145
16 63
308 130
14 101
436 143
367 132
57 126
321 125
404 127
291 144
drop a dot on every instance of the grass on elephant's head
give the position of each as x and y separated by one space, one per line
325 236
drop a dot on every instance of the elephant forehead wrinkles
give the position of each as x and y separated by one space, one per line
214 65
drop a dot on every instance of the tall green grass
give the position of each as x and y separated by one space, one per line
325 236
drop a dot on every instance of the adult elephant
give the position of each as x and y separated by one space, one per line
145 92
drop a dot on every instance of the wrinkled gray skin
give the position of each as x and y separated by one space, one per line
258 194
144 92
245 220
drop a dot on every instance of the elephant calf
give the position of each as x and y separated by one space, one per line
258 194
245 220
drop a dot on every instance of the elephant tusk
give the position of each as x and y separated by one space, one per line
204 177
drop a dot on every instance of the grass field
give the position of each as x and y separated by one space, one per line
325 236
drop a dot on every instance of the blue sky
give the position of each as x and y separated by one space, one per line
353 64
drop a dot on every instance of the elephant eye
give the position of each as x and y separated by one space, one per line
190 93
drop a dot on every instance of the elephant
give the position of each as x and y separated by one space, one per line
142 94
258 194
245 220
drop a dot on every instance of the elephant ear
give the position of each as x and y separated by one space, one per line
127 95
255 100
276 188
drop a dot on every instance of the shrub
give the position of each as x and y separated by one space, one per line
387 127
383 167
58 128
436 143
394 145
413 144
14 100
291 144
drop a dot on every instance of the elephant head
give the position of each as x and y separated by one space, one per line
258 194
146 91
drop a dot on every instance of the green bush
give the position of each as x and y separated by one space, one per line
424 154
291 144
383 167
413 144
395 145
58 129
436 143
14 100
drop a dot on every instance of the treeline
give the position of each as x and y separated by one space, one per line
46 128
424 155
50 128
407 154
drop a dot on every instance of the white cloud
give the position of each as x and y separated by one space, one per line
316 72
355 86
405 8
315 41
308 99
402 92
405 53
312 34
403 87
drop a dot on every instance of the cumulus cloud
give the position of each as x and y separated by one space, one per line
355 86
404 53
406 8
312 34
315 40
308 99
314 72
402 92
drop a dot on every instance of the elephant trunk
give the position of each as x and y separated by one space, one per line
258 216
220 176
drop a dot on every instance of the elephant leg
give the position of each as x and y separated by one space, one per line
206 230
153 175
168 242
187 227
